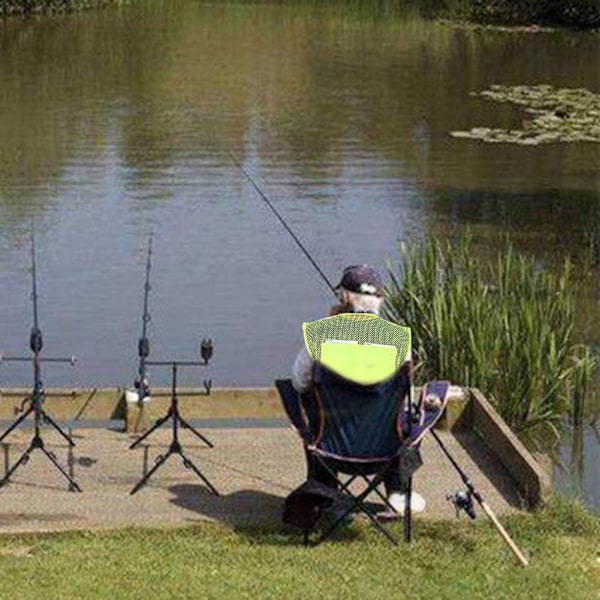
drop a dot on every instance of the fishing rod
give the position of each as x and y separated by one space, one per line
282 221
464 501
141 383
460 499
173 413
37 397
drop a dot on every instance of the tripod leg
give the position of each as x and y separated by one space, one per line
190 465
159 461
22 460
17 422
185 424
72 484
154 427
6 447
71 464
48 419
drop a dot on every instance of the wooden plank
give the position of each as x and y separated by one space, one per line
533 481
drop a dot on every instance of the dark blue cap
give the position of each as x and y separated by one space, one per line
361 279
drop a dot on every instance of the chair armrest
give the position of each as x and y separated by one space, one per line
429 415
293 408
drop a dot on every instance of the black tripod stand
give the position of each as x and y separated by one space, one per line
37 396
37 442
174 414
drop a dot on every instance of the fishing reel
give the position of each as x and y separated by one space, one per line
463 500
141 383
142 387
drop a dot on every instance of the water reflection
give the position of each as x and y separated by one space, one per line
577 475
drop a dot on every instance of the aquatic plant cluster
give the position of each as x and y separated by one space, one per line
582 14
570 13
28 7
557 115
504 326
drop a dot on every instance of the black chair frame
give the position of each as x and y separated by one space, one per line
372 472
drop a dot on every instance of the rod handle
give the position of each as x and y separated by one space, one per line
504 534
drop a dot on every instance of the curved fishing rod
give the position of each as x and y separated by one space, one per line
460 500
282 221
142 385
407 514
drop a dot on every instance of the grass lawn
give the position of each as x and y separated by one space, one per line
455 559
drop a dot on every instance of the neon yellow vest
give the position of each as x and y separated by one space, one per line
361 347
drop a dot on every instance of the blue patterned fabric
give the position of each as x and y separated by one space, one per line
350 422
357 422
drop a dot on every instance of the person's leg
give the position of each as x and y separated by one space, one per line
396 482
317 471
392 479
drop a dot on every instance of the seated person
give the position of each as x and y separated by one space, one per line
360 291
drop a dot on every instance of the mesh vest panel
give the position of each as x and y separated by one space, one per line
361 347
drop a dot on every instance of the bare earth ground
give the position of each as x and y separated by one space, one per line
253 470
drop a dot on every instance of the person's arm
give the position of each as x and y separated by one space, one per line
302 371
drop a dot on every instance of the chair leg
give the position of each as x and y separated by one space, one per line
377 524
358 502
376 490
408 513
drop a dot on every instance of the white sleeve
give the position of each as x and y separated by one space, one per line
302 371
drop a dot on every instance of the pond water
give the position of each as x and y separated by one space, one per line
118 123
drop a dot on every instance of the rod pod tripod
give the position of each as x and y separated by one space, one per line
177 421
36 399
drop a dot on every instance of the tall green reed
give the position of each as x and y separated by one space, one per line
503 325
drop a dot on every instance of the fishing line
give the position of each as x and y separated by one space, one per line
282 221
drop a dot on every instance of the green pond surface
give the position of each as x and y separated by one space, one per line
118 123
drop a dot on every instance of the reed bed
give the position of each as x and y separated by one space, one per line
503 325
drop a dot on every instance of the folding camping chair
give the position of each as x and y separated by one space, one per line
360 430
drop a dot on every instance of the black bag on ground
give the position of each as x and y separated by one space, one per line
303 507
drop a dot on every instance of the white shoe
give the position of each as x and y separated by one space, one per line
398 502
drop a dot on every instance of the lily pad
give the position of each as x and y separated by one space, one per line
553 115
